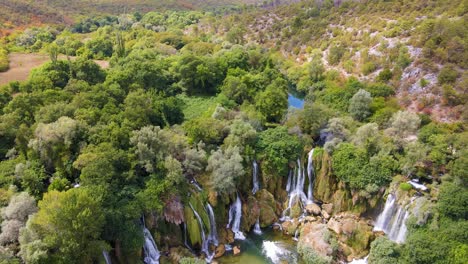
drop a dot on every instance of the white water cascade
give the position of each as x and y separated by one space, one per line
295 189
213 236
256 185
257 229
150 249
107 257
310 173
205 242
392 220
235 215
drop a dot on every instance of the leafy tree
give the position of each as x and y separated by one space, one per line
368 136
273 102
453 201
234 88
448 74
56 142
335 54
277 148
15 216
150 145
207 130
384 251
360 104
403 124
226 168
66 229
313 118
33 177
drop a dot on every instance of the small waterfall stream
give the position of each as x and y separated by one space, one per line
392 220
310 173
295 189
151 252
213 236
257 229
256 185
205 242
235 215
107 257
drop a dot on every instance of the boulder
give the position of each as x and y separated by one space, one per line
236 250
313 209
327 207
220 250
325 215
334 225
317 237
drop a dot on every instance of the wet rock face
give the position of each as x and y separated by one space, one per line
220 250
267 205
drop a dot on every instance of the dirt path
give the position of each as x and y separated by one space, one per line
21 65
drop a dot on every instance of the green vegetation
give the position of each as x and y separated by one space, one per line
195 96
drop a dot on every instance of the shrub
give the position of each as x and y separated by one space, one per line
368 68
447 74
385 75
405 186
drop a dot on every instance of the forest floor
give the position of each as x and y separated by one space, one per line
21 65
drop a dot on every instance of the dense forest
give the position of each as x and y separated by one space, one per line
188 147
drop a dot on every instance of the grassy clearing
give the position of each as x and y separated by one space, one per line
196 106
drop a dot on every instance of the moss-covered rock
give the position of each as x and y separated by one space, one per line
193 228
267 206
250 213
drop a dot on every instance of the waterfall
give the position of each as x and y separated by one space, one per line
295 189
151 252
235 215
310 173
360 261
205 242
196 184
296 235
213 236
256 185
257 229
185 237
107 257
392 220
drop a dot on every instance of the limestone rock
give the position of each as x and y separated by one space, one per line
220 250
325 214
236 250
317 237
313 209
334 225
327 207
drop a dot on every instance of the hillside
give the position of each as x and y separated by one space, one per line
321 132
411 42
17 13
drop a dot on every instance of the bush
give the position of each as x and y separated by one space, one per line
368 67
447 74
4 62
385 75
384 251
405 186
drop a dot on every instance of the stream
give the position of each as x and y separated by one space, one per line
270 247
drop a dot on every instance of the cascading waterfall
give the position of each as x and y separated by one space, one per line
107 257
205 242
392 220
310 173
213 236
235 215
295 189
256 185
150 249
257 229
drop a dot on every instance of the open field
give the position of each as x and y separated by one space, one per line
21 65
